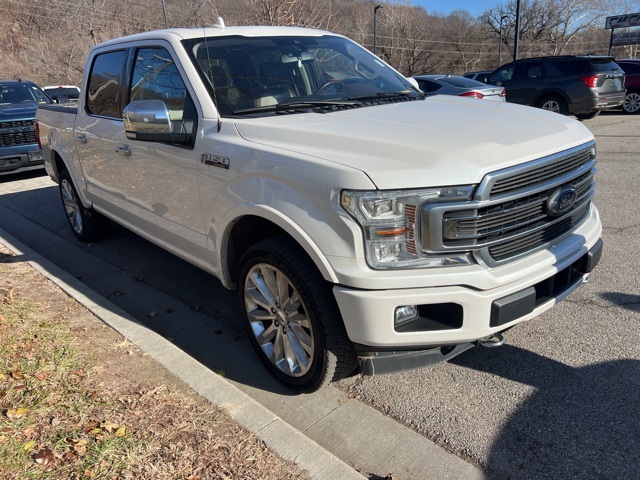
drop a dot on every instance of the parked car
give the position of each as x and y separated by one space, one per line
631 69
19 150
460 86
62 93
480 75
578 85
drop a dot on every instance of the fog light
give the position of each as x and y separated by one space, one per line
405 313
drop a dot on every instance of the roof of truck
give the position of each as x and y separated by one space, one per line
218 31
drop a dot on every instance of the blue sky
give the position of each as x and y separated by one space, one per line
474 7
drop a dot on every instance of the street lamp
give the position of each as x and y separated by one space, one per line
516 40
375 29
500 44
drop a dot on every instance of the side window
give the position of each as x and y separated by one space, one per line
429 87
527 71
155 77
104 84
502 75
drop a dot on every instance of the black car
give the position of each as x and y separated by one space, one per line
578 85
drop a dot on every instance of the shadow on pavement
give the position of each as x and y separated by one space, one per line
580 423
625 300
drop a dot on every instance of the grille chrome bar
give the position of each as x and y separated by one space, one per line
510 215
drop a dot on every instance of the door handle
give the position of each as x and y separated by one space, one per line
80 138
123 150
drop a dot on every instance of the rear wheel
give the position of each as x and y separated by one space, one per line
631 103
291 316
87 224
553 103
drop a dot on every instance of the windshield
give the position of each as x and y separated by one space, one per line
249 73
12 93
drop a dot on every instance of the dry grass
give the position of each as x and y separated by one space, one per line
74 409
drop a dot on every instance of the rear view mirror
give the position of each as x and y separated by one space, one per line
301 57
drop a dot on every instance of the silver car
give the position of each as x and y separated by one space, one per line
460 86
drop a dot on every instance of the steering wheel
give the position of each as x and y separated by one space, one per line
338 84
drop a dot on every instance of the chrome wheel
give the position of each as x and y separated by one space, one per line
71 206
631 102
279 320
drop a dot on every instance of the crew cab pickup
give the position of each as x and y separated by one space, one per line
361 223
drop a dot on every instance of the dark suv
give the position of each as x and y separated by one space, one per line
580 85
631 69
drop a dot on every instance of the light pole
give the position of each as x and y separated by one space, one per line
517 37
500 44
375 29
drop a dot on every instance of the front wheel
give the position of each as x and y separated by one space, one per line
87 224
291 316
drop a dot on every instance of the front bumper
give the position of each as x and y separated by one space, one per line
455 311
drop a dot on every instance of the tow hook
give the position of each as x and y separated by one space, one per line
492 341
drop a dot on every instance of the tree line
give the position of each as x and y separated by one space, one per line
48 41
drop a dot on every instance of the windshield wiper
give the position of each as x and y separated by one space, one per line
378 95
295 105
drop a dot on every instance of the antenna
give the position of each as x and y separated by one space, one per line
219 23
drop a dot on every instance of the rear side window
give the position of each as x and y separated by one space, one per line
572 67
428 86
462 82
103 98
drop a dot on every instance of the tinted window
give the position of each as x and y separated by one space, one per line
428 86
462 82
630 68
104 84
581 66
503 74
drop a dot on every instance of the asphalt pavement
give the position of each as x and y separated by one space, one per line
560 400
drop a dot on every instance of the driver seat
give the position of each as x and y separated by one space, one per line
276 83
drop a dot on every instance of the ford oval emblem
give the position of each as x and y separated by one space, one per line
561 200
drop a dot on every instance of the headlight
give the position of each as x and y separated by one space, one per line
388 221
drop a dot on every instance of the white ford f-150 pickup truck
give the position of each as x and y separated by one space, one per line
361 223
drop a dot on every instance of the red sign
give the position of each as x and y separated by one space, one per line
623 21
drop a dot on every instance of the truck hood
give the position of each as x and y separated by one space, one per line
444 140
14 112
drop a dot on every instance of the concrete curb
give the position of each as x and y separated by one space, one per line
278 435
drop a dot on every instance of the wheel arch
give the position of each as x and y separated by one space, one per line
248 229
551 93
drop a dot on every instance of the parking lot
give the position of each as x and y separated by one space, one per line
559 400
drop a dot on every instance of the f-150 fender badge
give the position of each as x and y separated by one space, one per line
215 160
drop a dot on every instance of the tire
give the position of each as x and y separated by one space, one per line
87 224
291 316
587 116
631 103
553 103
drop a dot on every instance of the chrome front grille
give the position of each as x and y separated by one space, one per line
510 214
